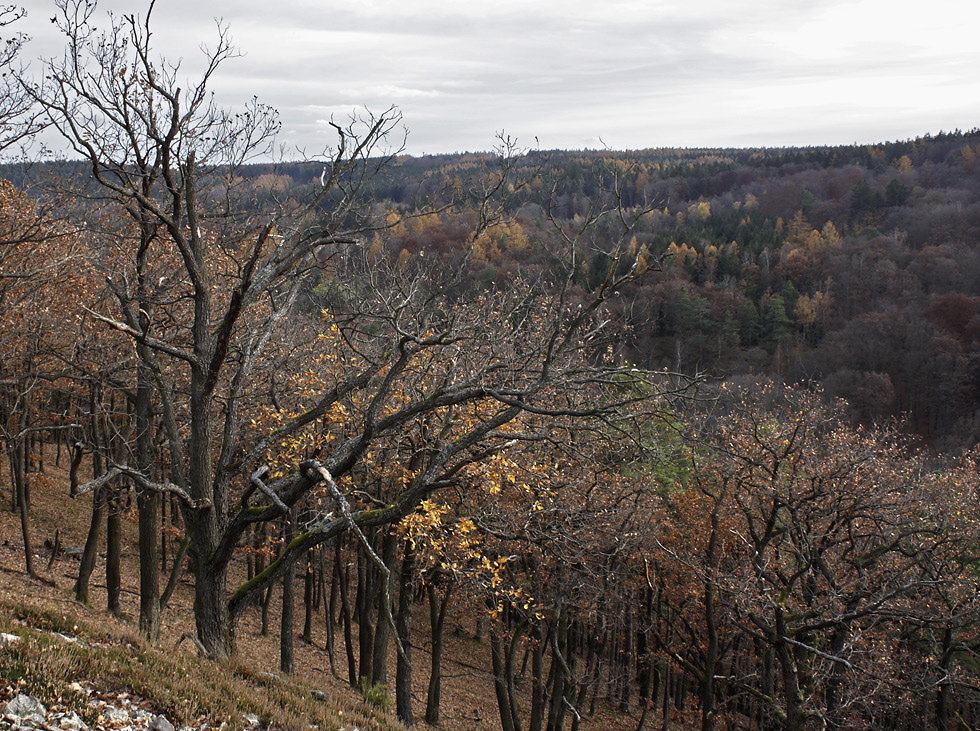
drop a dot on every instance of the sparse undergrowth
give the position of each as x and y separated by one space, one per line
60 647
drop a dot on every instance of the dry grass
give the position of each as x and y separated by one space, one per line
188 690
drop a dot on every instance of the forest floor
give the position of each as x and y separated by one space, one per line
468 702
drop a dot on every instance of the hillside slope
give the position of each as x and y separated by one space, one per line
81 659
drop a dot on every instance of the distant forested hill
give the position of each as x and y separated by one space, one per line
856 268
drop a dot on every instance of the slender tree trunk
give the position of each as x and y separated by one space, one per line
258 544
507 721
711 650
328 618
286 622
556 706
602 636
590 659
250 558
333 618
309 577
538 692
175 571
321 577
113 554
114 524
382 633
945 693
14 495
437 626
39 451
613 675
512 646
643 646
164 544
25 467
365 607
626 679
22 501
288 607
791 685
345 610
403 665
20 485
89 553
266 603
832 697
147 503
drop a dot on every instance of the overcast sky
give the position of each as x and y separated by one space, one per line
625 74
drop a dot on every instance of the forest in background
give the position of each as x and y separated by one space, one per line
681 432
854 269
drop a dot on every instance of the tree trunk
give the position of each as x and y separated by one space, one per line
321 576
515 641
38 449
507 720
25 467
332 605
258 545
251 559
288 606
328 618
266 603
19 478
114 522
583 684
175 571
556 706
147 503
382 633
345 611
403 665
366 596
945 693
113 554
602 635
538 692
711 650
437 625
211 608
836 678
286 621
206 525
309 578
791 683
626 678
164 545
89 553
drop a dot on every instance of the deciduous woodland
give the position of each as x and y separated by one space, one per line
687 434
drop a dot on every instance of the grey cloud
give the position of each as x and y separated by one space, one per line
637 74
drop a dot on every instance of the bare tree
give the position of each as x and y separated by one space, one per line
409 363
19 115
